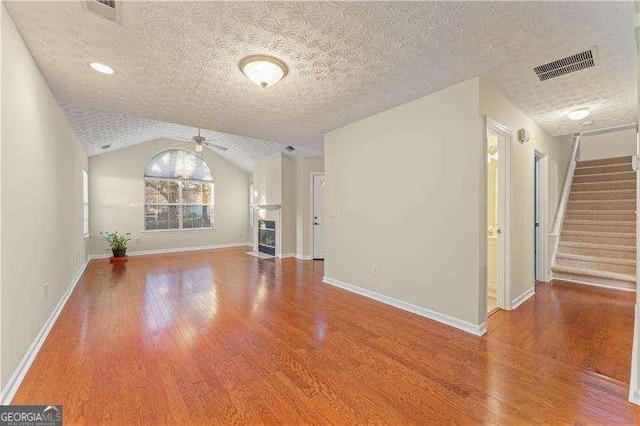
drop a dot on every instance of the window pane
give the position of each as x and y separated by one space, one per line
151 217
173 191
173 217
178 164
197 217
192 193
207 193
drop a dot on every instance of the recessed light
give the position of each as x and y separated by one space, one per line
586 123
263 70
579 114
101 68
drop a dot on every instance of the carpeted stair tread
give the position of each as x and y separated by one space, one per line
603 161
609 168
603 186
596 259
606 247
594 273
609 194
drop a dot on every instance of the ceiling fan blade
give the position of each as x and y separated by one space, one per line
214 146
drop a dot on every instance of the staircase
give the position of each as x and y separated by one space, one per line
598 238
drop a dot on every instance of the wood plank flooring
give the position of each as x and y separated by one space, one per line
219 337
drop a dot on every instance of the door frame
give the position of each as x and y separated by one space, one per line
541 207
504 212
312 176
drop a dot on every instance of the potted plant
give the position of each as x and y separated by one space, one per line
117 242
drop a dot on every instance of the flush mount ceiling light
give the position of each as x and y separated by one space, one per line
579 114
101 68
263 70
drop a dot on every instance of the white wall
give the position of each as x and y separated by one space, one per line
41 201
608 145
404 185
304 168
116 200
499 108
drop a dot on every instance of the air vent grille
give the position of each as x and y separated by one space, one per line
109 9
110 3
567 65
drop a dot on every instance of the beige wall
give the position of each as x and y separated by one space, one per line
305 166
499 108
608 145
409 189
116 200
404 185
288 206
42 235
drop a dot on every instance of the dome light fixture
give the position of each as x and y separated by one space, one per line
101 68
263 70
579 114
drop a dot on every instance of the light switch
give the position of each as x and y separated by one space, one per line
332 212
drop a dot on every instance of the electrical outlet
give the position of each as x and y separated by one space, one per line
46 291
374 269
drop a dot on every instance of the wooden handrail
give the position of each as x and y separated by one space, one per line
562 204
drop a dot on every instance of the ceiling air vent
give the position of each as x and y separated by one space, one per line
108 9
573 63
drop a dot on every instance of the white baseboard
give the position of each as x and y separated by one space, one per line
303 257
477 330
523 298
14 382
286 255
173 250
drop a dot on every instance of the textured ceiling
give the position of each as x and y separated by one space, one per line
177 62
96 128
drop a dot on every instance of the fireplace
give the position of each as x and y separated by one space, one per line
267 236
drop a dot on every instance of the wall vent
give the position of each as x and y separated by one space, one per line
108 9
573 63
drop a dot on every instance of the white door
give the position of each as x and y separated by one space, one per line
318 216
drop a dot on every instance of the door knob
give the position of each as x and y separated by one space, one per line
499 231
316 223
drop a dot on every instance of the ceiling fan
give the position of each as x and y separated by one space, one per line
201 141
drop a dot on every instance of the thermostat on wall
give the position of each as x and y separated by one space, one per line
523 136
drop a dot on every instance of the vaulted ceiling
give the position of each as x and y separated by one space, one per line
177 62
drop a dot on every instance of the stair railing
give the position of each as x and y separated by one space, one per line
564 198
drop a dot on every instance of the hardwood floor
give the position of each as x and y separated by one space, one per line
222 337
589 327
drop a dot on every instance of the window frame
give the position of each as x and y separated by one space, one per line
181 204
85 203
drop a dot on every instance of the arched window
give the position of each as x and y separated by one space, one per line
178 192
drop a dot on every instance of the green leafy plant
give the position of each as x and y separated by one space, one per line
116 240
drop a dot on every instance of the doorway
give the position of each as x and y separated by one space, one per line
539 212
493 227
498 155
317 209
